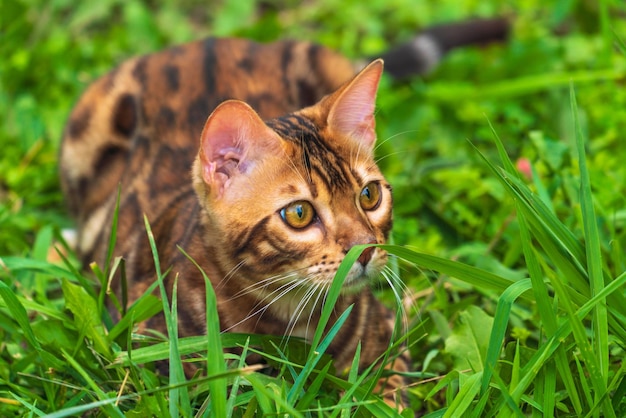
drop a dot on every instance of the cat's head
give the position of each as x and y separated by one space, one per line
286 199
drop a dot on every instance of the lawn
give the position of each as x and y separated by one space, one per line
509 176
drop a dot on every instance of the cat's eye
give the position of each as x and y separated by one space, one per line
298 214
370 196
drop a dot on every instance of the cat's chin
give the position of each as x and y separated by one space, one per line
354 286
357 281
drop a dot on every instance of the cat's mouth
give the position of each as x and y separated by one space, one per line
359 277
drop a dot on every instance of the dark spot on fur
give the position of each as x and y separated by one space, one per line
107 157
125 115
166 119
313 54
198 112
81 190
209 63
306 93
285 60
250 57
246 64
140 73
79 123
172 76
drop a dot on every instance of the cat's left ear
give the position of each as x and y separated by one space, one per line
352 113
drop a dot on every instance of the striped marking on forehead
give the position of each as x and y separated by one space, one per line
317 156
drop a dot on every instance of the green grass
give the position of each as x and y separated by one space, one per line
515 277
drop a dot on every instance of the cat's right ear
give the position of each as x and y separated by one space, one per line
233 139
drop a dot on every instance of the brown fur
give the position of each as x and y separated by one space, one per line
140 128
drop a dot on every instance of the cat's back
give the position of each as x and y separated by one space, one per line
138 127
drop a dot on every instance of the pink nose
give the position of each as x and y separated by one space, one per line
366 255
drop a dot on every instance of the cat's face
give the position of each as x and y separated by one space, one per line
288 200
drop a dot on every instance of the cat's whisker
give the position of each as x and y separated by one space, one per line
382 157
294 167
258 286
283 290
299 310
409 300
279 293
276 279
305 162
230 274
380 142
266 282
398 288
324 288
355 158
260 307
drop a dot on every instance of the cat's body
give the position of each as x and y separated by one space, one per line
268 210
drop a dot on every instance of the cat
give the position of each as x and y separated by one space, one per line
257 160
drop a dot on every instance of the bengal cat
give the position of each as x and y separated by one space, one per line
257 160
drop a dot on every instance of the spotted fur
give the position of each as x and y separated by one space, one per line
216 185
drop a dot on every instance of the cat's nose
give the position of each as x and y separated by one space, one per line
366 255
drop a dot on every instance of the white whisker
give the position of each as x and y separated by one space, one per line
299 310
381 142
377 161
261 306
398 288
230 274
324 288
267 282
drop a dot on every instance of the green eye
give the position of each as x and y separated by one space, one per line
370 196
298 214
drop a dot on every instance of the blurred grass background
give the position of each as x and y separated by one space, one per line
447 203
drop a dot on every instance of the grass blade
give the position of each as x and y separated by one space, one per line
177 375
463 399
313 359
594 255
500 322
215 353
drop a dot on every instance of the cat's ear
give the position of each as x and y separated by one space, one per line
352 113
233 139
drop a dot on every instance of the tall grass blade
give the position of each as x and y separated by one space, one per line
469 274
594 255
500 322
546 311
177 374
465 397
215 353
316 356
230 407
